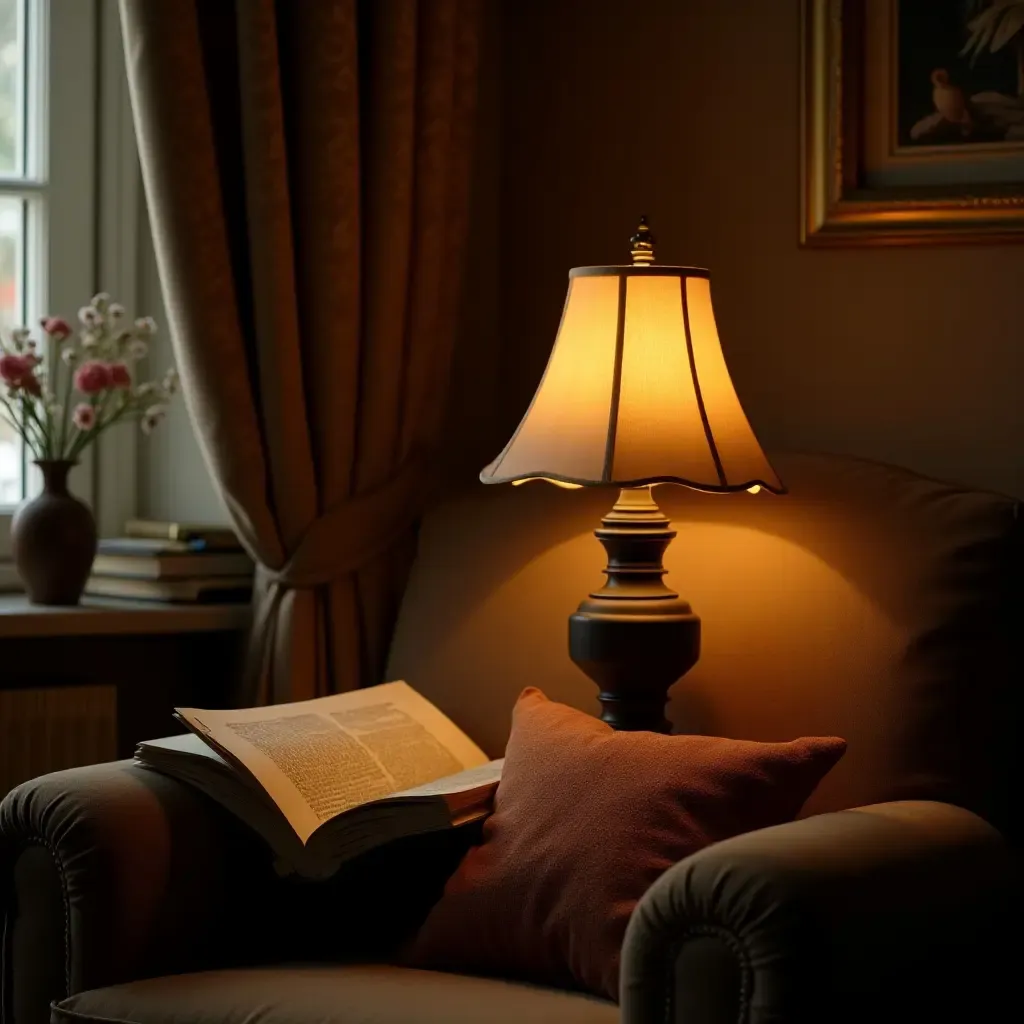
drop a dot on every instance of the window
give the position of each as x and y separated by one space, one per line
48 104
16 171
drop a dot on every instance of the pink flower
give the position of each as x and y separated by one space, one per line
92 377
56 328
119 376
17 371
84 416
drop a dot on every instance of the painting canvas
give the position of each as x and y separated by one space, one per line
960 72
912 122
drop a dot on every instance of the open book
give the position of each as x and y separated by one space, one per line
328 779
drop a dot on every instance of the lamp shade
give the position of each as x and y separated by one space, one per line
636 391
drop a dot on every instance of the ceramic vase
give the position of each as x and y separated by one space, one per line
53 539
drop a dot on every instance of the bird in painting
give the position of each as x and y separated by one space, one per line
950 101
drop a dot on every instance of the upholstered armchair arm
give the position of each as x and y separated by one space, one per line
897 911
112 873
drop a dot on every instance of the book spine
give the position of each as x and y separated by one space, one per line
151 530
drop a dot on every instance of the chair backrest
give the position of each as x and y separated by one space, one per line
868 602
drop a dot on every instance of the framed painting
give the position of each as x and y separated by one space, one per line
912 122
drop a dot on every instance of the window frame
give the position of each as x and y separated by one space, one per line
87 193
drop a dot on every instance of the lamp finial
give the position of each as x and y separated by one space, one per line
641 245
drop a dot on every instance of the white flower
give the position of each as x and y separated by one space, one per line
55 409
69 355
90 340
145 325
152 417
116 310
20 335
90 316
170 381
137 348
100 301
145 390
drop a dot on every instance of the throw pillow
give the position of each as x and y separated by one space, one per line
585 819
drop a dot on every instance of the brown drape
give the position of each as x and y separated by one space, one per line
306 164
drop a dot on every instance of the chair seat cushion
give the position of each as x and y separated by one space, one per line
331 994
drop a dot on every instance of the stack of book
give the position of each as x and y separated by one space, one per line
159 561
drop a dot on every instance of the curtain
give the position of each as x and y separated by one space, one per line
306 165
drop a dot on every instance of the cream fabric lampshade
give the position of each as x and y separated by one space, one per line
636 391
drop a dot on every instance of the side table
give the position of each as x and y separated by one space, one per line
86 684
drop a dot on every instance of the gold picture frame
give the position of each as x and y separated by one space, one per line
842 112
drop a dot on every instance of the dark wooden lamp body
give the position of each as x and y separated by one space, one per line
634 637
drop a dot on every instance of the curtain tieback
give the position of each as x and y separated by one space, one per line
354 531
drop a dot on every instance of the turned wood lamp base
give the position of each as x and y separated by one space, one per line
634 637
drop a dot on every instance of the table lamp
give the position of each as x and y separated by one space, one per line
636 392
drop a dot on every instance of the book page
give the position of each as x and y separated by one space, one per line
470 794
480 777
318 758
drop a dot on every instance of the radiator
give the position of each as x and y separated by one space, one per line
45 730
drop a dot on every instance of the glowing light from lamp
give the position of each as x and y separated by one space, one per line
637 392
558 483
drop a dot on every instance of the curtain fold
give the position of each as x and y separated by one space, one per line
306 166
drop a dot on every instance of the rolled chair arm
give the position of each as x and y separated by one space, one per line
895 911
113 873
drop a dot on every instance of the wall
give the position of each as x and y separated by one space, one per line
688 111
174 482
591 113
473 433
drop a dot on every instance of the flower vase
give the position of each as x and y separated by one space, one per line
53 539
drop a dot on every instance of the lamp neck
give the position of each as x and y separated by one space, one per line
634 637
635 534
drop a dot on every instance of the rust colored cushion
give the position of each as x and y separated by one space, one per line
585 819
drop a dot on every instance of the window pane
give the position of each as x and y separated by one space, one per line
10 465
12 260
12 82
12 255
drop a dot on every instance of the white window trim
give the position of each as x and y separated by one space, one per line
120 198
94 198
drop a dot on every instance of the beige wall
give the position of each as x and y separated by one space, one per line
687 110
172 476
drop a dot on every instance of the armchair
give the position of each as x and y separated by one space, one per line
870 603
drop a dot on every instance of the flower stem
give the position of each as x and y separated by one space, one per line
21 426
29 410
31 420
64 410
84 439
48 431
